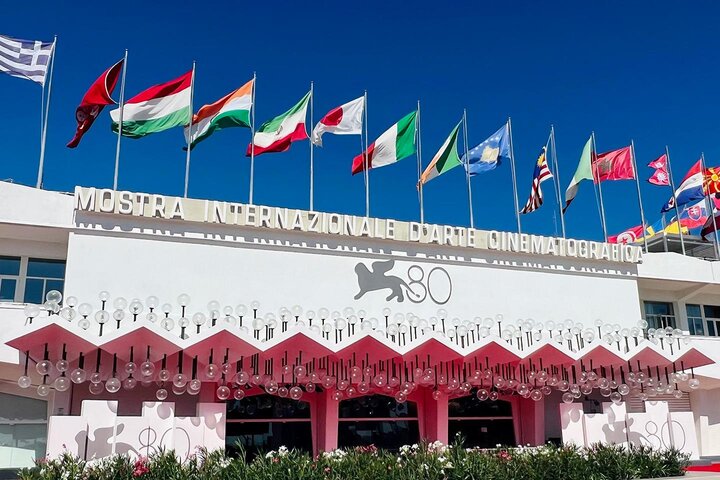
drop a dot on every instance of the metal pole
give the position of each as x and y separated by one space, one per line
312 172
593 162
672 185
252 141
557 179
119 136
637 183
189 141
467 171
366 160
419 164
664 234
514 178
709 206
43 135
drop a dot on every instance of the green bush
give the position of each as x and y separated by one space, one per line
433 461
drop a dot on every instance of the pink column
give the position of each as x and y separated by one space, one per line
325 422
434 417
529 416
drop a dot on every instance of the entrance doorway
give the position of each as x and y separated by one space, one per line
483 424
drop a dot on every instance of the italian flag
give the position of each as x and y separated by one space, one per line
445 159
156 109
233 110
396 143
277 134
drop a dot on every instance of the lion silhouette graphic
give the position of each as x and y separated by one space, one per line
376 279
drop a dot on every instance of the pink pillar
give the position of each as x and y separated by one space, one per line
325 422
433 417
529 419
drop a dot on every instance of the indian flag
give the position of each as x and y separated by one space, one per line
277 134
156 109
233 110
395 144
445 159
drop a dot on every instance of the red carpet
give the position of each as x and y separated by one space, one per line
715 467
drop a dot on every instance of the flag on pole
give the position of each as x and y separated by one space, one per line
278 133
488 155
98 95
27 59
396 143
445 159
542 173
710 227
583 172
690 189
660 176
346 119
614 165
156 109
232 110
711 180
694 216
631 235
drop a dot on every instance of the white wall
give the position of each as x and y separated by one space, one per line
312 272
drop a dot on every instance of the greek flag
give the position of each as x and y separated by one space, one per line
25 58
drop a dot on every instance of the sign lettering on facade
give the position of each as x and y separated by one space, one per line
145 205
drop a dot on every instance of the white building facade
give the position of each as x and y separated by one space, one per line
270 326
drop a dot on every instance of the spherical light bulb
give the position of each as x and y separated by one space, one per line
180 380
85 309
61 366
112 385
136 307
120 303
211 371
24 381
104 296
694 383
43 390
199 318
183 299
147 369
161 394
78 376
95 388
129 383
223 392
43 367
239 394
102 316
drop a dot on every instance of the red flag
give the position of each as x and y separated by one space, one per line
95 99
614 165
711 180
631 235
660 176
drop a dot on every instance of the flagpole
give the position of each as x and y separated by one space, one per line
514 178
43 135
637 183
593 162
664 226
672 185
467 171
312 172
557 179
419 165
365 159
189 140
710 207
252 140
119 136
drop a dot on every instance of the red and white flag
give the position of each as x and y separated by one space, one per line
346 119
660 176
614 165
95 99
631 235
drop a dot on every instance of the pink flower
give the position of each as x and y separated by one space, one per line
140 468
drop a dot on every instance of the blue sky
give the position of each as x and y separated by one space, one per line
627 70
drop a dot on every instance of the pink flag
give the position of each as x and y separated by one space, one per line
631 235
614 165
660 176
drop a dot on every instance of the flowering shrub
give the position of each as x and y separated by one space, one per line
433 461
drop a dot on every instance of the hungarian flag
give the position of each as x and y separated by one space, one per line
156 109
631 235
346 119
277 134
233 110
95 99
396 143
445 159
660 176
711 180
614 165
